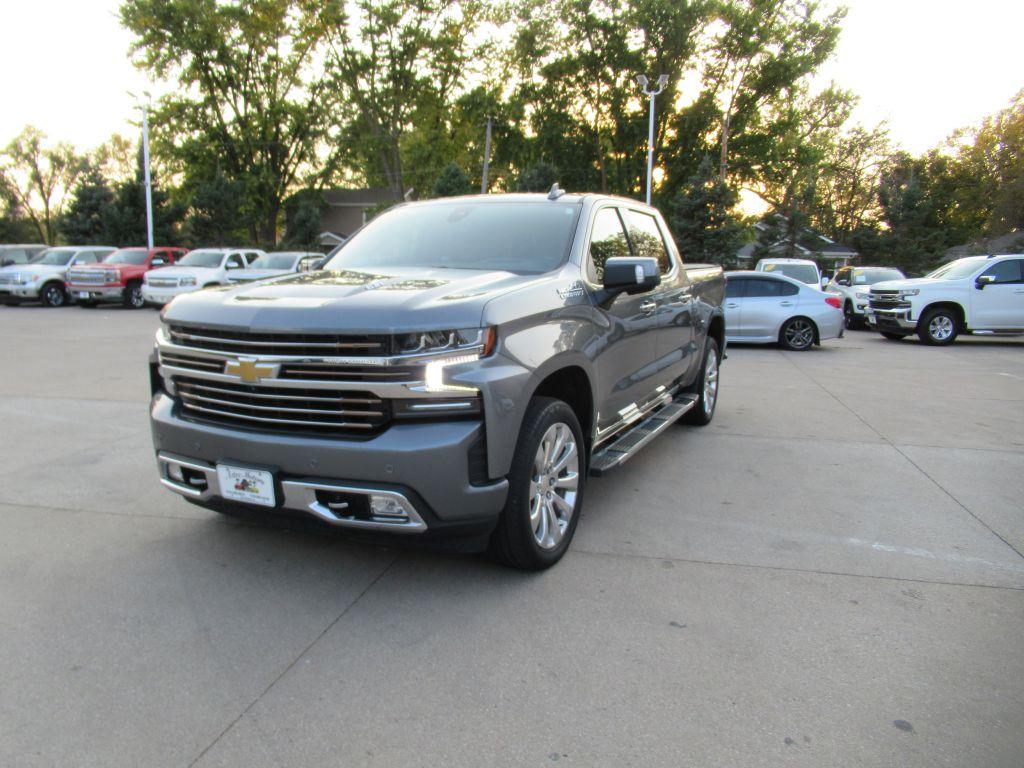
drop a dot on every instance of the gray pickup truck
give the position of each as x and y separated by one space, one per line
455 371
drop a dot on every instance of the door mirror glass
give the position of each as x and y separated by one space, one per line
824 282
632 274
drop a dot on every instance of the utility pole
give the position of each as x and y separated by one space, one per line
642 80
487 159
149 186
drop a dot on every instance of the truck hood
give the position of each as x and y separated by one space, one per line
242 275
33 269
912 282
392 300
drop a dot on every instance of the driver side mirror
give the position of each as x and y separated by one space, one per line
825 282
630 274
233 265
984 280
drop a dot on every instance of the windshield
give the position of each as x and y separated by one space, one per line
956 270
525 238
55 256
127 256
202 259
275 261
805 273
872 276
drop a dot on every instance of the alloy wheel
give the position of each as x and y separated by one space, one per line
941 327
710 382
554 485
799 334
53 296
135 300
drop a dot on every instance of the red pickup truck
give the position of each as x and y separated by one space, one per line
119 276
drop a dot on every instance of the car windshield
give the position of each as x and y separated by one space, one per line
55 256
872 276
520 237
275 261
805 273
202 259
127 256
957 270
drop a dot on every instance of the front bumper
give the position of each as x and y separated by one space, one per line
423 467
891 319
20 290
82 291
157 295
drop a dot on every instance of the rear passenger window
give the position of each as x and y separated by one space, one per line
760 288
646 239
607 240
734 287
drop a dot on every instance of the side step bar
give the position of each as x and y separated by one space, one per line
629 443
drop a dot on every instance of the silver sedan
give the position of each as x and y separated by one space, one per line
766 308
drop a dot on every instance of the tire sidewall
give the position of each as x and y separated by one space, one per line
926 321
136 289
785 342
49 290
541 414
698 415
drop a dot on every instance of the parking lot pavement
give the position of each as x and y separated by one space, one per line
829 574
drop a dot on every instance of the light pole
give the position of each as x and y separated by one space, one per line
662 80
145 162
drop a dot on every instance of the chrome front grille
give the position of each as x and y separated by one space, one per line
305 370
8 279
162 282
305 410
886 300
290 344
91 277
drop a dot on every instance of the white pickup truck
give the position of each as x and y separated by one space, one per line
976 294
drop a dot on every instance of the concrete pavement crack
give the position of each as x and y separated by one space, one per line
293 662
898 450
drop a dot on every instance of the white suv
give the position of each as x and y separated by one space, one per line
804 270
974 294
854 284
201 268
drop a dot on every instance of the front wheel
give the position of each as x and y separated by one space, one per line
707 387
133 296
53 295
850 317
545 494
797 334
938 327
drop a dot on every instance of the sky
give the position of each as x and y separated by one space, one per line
927 67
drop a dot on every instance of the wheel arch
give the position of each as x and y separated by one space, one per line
954 306
814 325
571 384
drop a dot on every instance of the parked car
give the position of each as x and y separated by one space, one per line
976 294
201 268
853 285
804 270
274 265
42 279
119 276
770 308
457 370
19 254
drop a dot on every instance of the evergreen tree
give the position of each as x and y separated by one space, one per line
85 222
216 217
303 219
126 217
701 218
537 178
452 182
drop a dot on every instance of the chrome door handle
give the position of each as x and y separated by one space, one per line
648 307
785 303
732 306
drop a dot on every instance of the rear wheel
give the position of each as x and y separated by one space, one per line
53 295
707 387
938 327
797 334
545 493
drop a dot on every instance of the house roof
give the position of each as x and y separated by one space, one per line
1011 242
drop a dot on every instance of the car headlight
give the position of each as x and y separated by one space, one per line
909 292
861 295
187 281
430 342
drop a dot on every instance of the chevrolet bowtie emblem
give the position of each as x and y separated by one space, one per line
248 370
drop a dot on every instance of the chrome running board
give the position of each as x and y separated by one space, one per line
629 443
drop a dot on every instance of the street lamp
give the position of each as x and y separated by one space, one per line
662 80
144 106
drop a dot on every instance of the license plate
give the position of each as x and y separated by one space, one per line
83 294
253 486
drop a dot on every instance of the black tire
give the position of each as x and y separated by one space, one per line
938 327
701 415
53 295
132 298
850 317
513 541
893 336
797 334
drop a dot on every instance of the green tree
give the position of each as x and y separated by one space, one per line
537 178
914 238
215 212
253 96
701 218
86 219
452 182
126 215
38 178
303 212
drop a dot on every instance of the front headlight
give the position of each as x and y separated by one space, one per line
909 292
442 341
861 295
187 281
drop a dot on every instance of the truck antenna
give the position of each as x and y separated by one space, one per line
555 192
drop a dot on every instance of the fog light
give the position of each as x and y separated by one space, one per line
174 472
385 506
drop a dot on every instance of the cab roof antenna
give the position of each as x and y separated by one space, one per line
555 192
